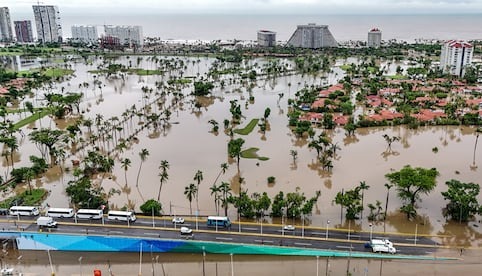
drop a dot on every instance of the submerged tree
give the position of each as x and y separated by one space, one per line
462 198
411 183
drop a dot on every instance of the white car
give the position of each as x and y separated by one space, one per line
186 231
178 220
289 227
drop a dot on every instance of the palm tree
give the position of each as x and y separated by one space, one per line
163 176
190 192
125 164
225 194
28 175
215 190
294 154
198 177
388 186
143 155
224 168
363 186
477 132
390 140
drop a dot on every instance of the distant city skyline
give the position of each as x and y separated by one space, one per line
256 6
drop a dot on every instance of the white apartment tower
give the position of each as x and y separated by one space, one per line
312 36
128 35
266 38
374 38
47 21
85 34
455 56
6 34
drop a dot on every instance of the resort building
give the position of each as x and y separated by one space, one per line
85 34
312 36
374 38
6 34
47 21
266 38
455 56
23 31
128 35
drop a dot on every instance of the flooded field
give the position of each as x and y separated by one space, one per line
189 145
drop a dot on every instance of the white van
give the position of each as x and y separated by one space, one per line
381 242
383 248
121 216
90 214
60 212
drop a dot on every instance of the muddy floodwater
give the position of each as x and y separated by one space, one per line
189 145
76 263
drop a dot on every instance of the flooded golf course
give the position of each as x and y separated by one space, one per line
188 143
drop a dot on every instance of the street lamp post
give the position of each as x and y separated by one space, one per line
80 265
232 265
371 231
327 224
416 230
302 225
204 260
317 265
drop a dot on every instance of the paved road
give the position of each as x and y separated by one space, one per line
250 233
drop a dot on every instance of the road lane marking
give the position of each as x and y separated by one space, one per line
303 243
225 239
264 241
151 234
248 228
343 246
115 232
318 233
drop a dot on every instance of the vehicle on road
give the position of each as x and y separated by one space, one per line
47 222
373 242
186 231
289 227
178 220
24 211
89 214
121 216
60 212
383 248
215 221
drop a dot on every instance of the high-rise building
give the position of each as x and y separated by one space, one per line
85 34
128 35
23 31
6 34
312 36
374 38
266 38
455 57
47 21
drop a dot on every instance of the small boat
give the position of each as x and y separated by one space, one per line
6 271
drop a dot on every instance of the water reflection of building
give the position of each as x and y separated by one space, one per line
312 36
266 38
6 34
455 56
85 34
23 31
47 21
374 38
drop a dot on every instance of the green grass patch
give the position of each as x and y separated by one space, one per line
248 128
252 153
397 77
144 72
345 67
26 198
57 72
38 115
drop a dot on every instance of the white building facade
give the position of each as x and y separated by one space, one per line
455 57
374 38
6 34
128 35
85 34
266 38
47 21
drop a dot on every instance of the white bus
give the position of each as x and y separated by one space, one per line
121 216
24 211
60 212
215 221
89 214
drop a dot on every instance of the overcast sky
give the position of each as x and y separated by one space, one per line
255 6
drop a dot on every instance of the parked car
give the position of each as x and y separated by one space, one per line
178 220
186 231
289 227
